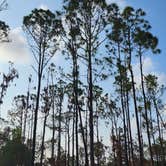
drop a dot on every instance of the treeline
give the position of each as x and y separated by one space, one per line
101 43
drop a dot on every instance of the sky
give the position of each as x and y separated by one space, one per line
18 50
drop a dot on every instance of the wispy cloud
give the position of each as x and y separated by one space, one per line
149 67
120 3
43 6
16 50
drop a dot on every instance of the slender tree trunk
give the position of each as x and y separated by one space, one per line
53 118
90 98
35 119
43 138
53 131
159 132
21 121
146 111
73 136
137 118
129 128
113 143
141 155
78 109
153 136
117 143
68 138
119 150
31 127
86 128
90 87
97 132
66 146
125 131
122 105
59 129
76 135
25 115
84 141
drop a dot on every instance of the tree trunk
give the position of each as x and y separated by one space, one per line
76 135
53 120
122 105
129 128
137 118
59 128
35 119
43 138
146 111
73 134
68 138
159 131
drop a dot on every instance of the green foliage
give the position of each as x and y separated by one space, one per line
15 153
6 80
16 134
43 27
4 28
43 20
4 31
99 150
151 83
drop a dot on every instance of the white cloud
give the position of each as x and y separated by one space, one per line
161 77
120 3
16 50
133 126
43 6
149 67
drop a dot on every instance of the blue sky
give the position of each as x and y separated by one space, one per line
20 54
156 13
18 50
